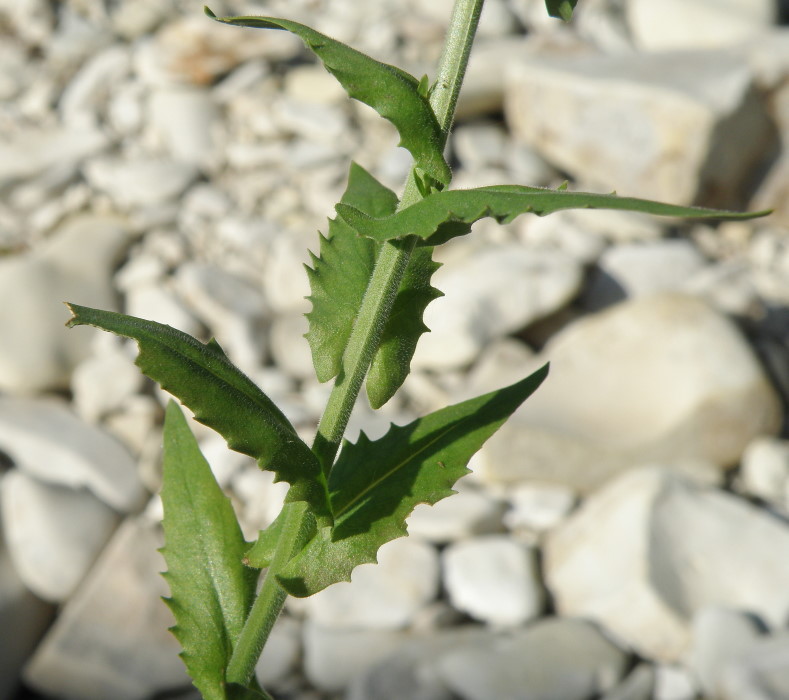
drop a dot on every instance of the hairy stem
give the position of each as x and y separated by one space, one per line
365 336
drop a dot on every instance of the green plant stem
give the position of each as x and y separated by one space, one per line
373 313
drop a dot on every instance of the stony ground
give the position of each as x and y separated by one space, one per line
624 537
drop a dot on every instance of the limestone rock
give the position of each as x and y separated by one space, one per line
496 291
386 595
46 440
111 639
649 550
708 397
554 659
697 24
54 534
494 579
75 265
677 127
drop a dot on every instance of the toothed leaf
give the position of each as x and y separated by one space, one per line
219 395
338 281
390 91
211 591
392 360
339 277
375 485
444 214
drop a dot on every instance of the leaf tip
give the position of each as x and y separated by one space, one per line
209 12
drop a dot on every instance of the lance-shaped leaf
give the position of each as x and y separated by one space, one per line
437 212
390 91
392 360
219 395
211 591
563 9
338 282
375 485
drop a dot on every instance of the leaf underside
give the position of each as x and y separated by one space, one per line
563 9
375 485
438 217
390 91
210 590
338 281
220 396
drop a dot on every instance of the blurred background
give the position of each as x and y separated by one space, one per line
624 537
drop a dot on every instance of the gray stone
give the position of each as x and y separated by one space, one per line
638 685
75 264
103 382
553 659
761 673
697 24
466 513
494 292
142 182
635 270
111 639
647 551
673 682
24 617
82 100
35 151
183 119
289 348
53 533
46 440
708 397
386 595
720 637
333 657
538 507
495 579
764 472
675 127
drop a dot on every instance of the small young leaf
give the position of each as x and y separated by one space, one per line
376 484
390 91
339 277
210 589
261 554
219 395
563 9
338 281
504 203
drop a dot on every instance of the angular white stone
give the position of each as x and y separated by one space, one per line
553 659
720 637
761 672
54 534
75 264
21 613
664 378
495 579
495 291
635 270
538 507
333 657
111 640
764 471
469 512
648 550
36 151
675 127
139 182
183 119
386 595
46 440
697 24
